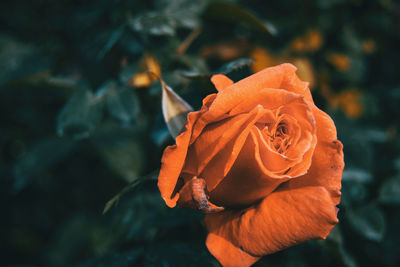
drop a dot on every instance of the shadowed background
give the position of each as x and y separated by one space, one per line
81 119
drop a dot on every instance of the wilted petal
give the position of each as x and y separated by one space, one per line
194 195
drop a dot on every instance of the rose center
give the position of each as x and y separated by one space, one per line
279 131
279 138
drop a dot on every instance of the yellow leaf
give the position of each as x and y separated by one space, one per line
142 79
149 70
151 65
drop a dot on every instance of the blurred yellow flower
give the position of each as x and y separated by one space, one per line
298 45
227 50
314 40
339 61
310 42
305 70
262 59
349 101
368 46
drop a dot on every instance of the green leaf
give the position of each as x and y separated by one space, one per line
397 164
153 23
334 244
142 214
353 192
357 175
346 257
127 72
114 37
375 135
19 60
122 104
197 65
335 236
121 149
235 65
186 13
126 189
389 193
40 157
368 221
233 13
171 16
115 259
80 115
81 234
72 237
178 254
225 69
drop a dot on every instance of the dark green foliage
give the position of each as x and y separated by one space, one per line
75 133
390 191
80 115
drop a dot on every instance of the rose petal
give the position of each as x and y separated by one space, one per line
292 83
207 101
172 162
226 148
284 218
269 160
174 156
269 98
294 130
234 94
227 254
274 164
214 139
247 181
306 161
220 81
327 161
266 168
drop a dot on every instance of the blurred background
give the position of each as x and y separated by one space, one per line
81 122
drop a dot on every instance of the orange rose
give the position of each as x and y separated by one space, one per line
262 160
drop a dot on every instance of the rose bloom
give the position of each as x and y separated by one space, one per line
262 161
